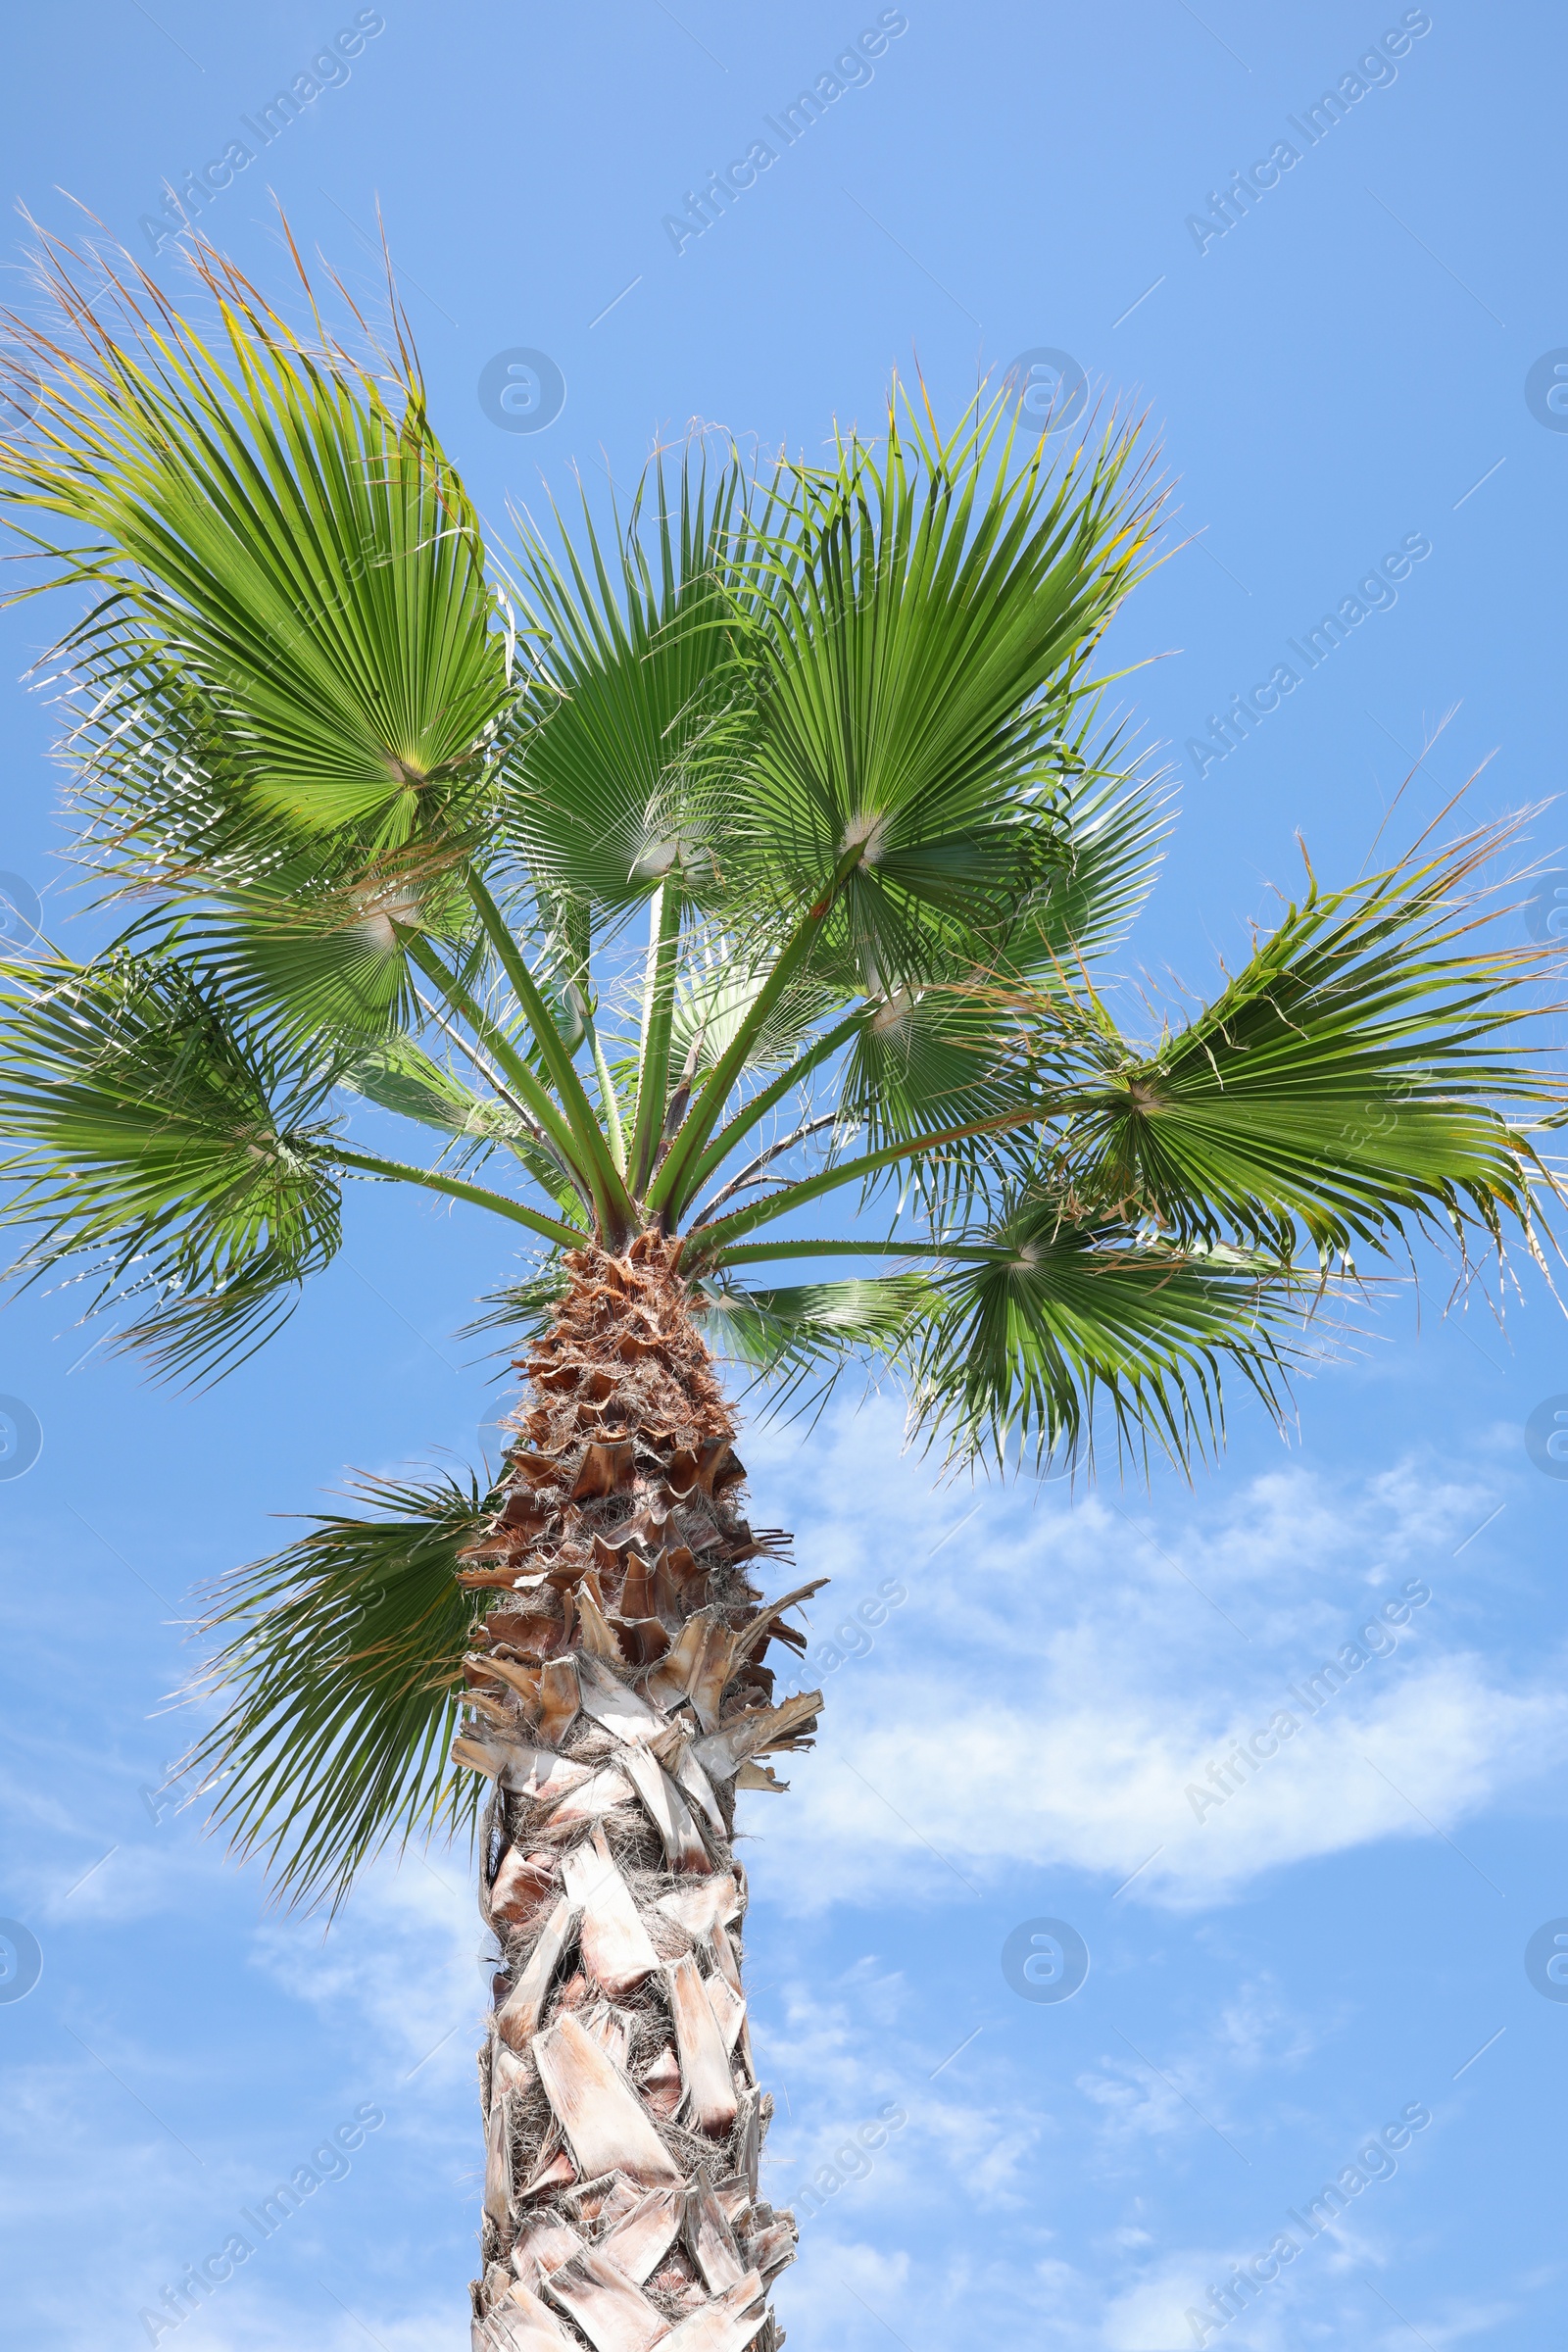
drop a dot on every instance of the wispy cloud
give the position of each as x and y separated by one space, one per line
1049 1697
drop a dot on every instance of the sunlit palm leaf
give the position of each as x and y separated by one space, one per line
1111 834
719 986
1043 1327
930 611
310 927
288 534
397 1076
1346 1083
613 783
1012 1020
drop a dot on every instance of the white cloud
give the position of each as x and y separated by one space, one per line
1059 1677
1153 2311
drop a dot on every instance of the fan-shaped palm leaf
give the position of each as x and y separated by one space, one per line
1344 1083
343 1656
1041 1321
152 1130
287 536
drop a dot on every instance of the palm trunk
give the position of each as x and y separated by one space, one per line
619 1699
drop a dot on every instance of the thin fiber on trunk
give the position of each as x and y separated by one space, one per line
619 1692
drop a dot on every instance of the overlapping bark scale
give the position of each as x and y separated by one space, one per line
619 1696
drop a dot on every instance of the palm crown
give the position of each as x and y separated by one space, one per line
745 874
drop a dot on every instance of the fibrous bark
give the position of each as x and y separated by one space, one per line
619 1696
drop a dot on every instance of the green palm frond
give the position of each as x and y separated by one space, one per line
949 1056
717 993
156 784
312 926
329 957
803 1337
1043 1325
1347 1082
930 611
341 1672
151 1131
284 532
613 786
396 1075
1111 832
1012 1022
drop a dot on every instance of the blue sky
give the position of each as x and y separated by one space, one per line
1273 1980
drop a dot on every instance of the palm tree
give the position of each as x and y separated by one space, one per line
735 887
